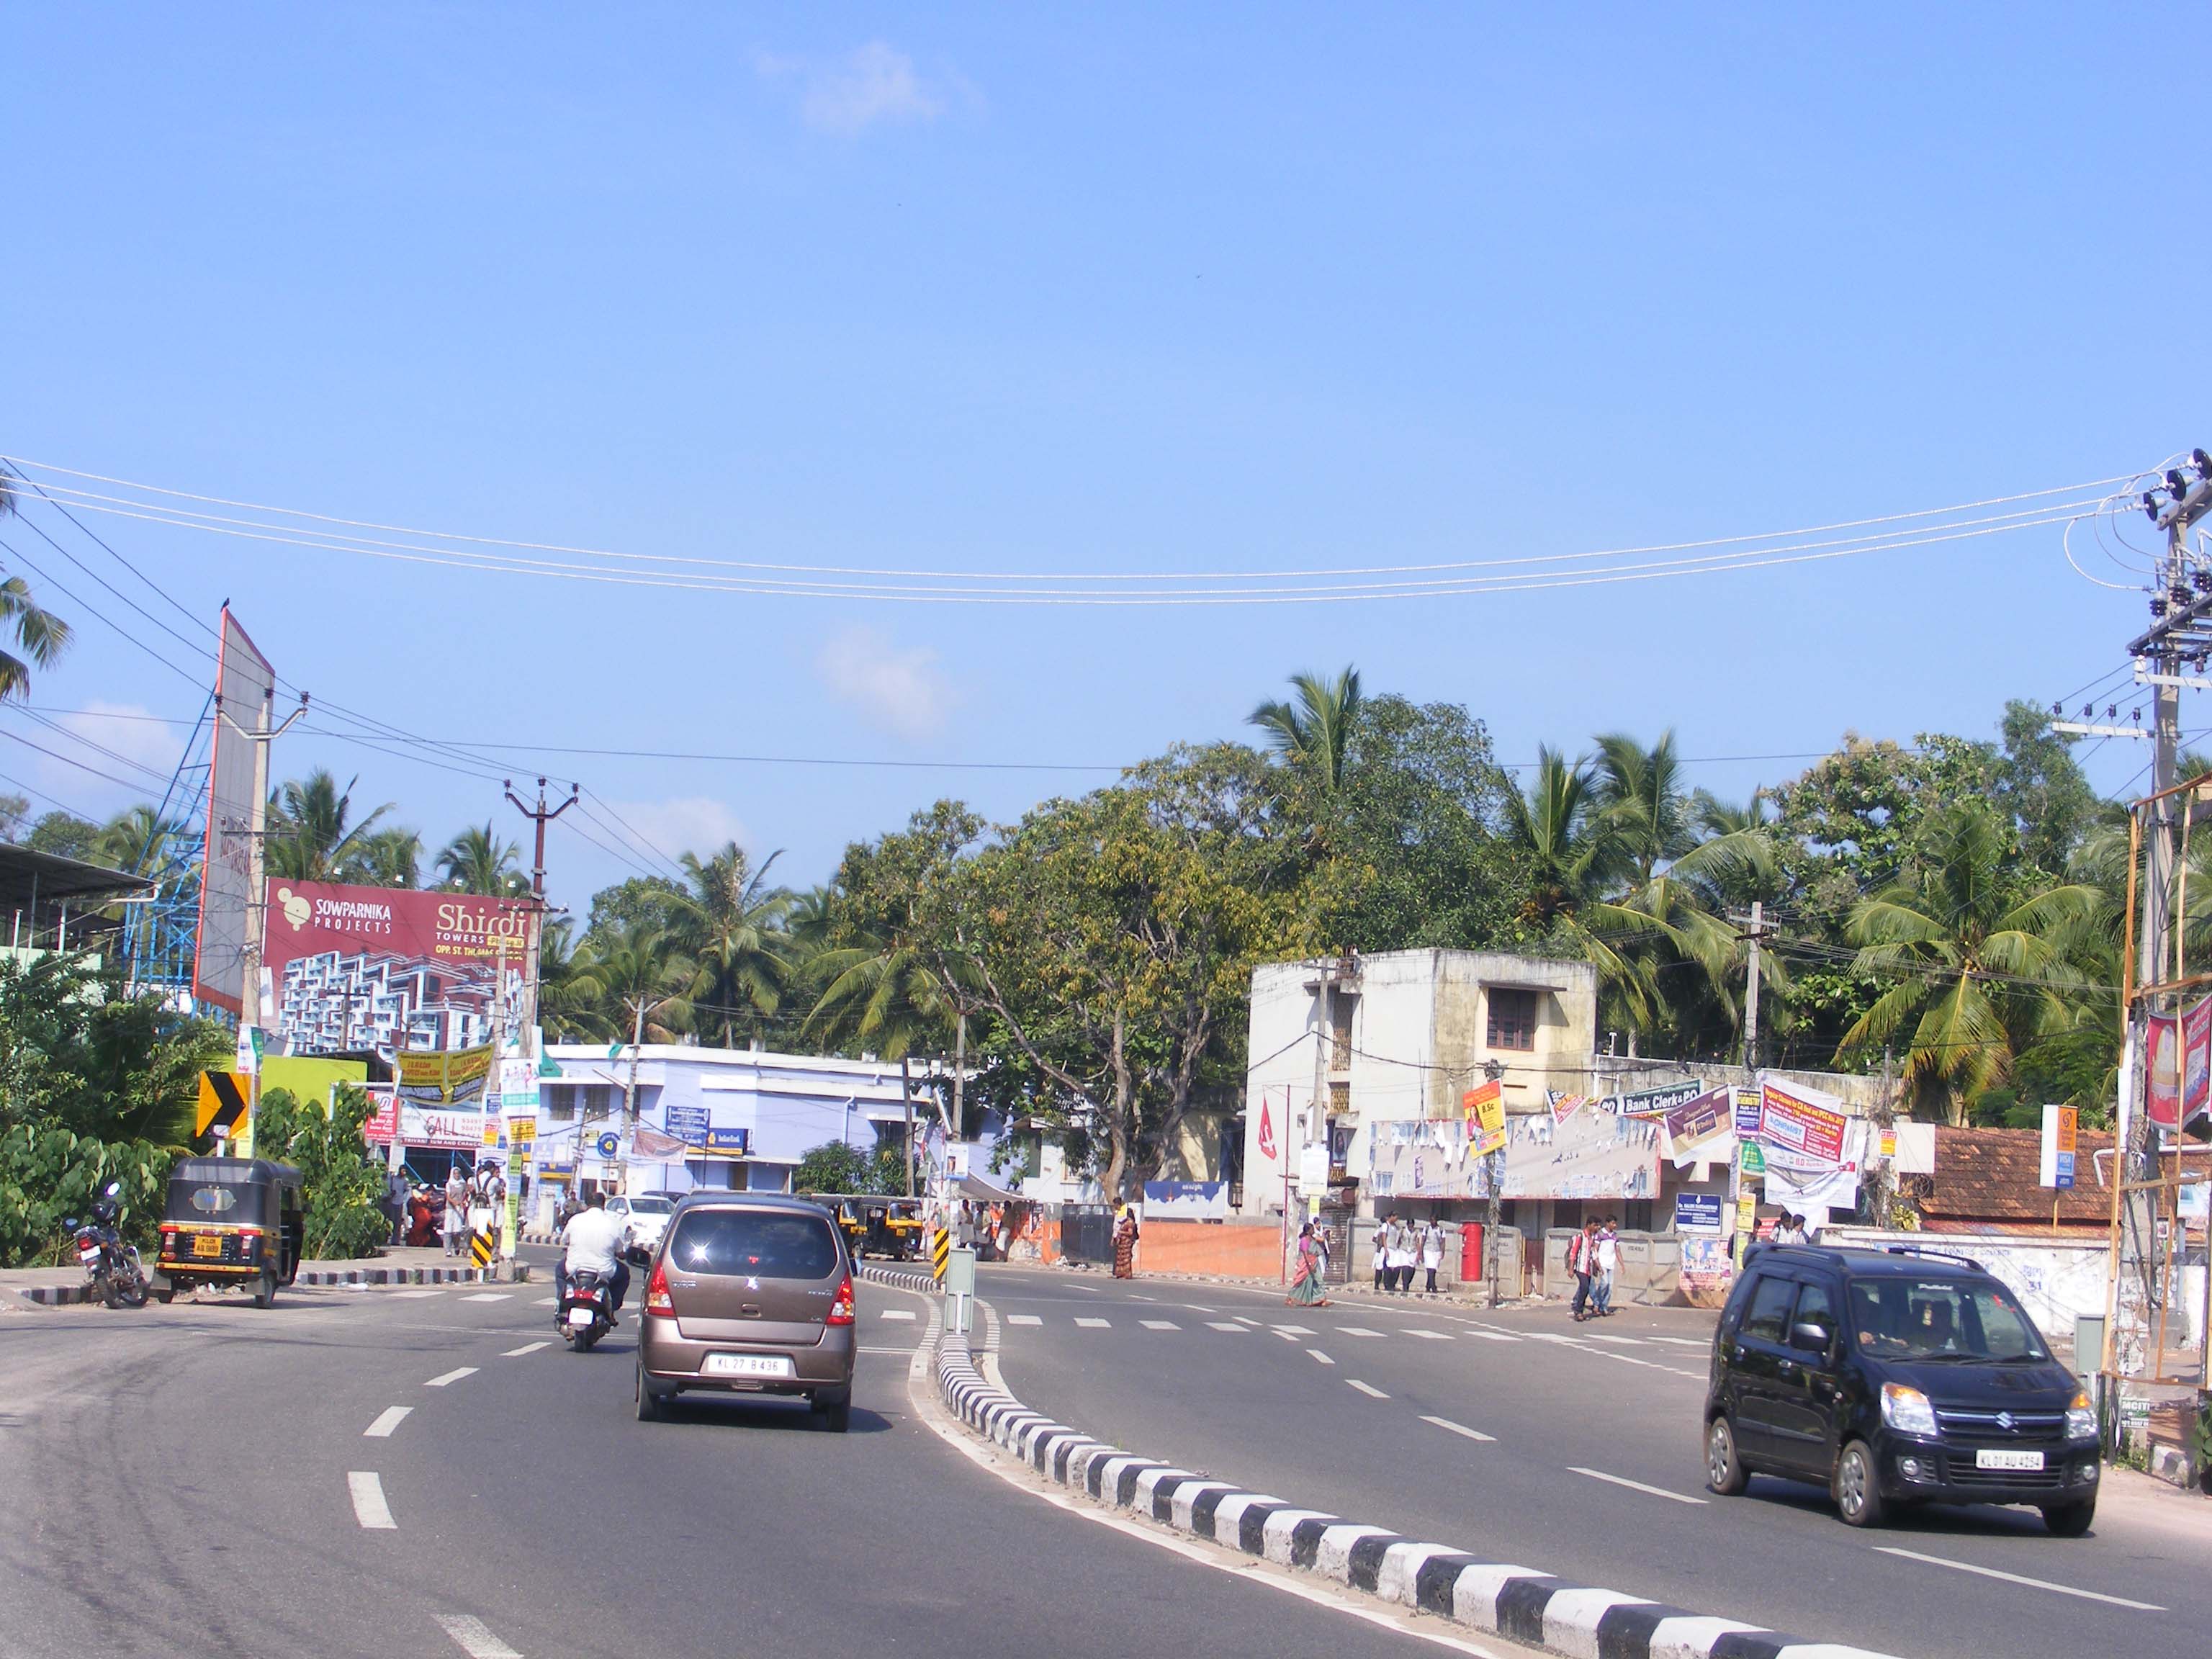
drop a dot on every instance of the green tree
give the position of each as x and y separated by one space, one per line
652 900
39 635
1974 963
833 1167
388 858
633 979
341 1180
732 926
15 815
78 1053
65 835
1647 820
1313 730
1553 825
314 836
139 839
478 861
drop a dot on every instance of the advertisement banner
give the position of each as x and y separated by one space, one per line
1185 1200
1701 1128
2178 1073
356 969
443 1077
449 1132
1484 1108
2054 1166
243 683
1562 1106
1808 1186
1707 1270
1654 1102
1789 1118
1593 1154
1747 1114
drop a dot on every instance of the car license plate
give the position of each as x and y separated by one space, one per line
89 1254
748 1364
207 1245
1986 1458
580 1318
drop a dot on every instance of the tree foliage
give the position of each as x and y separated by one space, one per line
341 1179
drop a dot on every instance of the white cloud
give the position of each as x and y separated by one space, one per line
903 692
118 738
683 823
877 83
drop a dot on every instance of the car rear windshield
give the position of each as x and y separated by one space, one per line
650 1207
1940 1319
771 1243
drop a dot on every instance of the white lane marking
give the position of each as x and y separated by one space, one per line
549 1300
1133 1297
1194 1308
368 1506
451 1377
1491 1336
906 1313
1224 1325
1624 1341
527 1347
1633 1485
1096 1324
864 1348
1025 1319
475 1638
1461 1428
1322 1357
1357 1330
1294 1330
1241 1320
1159 1324
1684 1341
2015 1579
410 1296
1367 1389
489 1295
1287 1336
386 1420
1431 1336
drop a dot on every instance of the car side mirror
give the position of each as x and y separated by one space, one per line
1811 1337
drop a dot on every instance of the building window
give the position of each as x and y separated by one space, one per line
1340 1015
1512 1018
561 1102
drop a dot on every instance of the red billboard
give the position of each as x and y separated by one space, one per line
356 969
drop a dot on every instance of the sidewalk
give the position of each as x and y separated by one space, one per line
64 1286
1467 1299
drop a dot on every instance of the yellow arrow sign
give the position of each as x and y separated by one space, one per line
222 1102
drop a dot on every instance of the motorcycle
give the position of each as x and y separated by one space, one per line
586 1309
111 1267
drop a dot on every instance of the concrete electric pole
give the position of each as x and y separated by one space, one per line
261 735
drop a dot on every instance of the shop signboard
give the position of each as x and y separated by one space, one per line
730 1142
1698 1213
688 1123
1655 1103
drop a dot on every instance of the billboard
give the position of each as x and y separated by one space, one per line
1593 1153
244 684
357 968
2178 1075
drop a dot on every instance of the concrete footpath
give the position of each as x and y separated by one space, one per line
65 1285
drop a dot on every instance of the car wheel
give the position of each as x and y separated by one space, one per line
2070 1519
1724 1471
649 1404
1858 1486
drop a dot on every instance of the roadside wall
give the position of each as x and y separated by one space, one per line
1236 1250
2055 1278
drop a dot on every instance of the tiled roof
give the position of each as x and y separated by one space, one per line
1987 1178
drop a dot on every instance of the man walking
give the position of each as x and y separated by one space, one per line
1608 1258
1582 1262
1380 1245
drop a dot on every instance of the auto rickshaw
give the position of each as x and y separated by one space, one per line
875 1225
234 1221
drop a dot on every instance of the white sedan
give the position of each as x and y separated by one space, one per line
646 1217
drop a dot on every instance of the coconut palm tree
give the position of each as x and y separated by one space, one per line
1551 824
390 857
39 633
138 839
478 861
1649 820
312 834
631 981
732 929
1976 970
1313 731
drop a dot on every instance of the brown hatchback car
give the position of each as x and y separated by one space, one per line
749 1293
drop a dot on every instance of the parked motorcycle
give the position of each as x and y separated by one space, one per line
586 1309
111 1267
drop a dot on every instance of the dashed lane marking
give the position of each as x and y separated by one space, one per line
490 1296
1285 1335
527 1347
1684 1341
906 1313
1224 1325
410 1296
1159 1324
386 1420
1461 1429
1481 1335
1294 1330
1025 1319
1367 1389
474 1638
1634 1485
1624 1341
1133 1297
1322 1357
1243 1319
2016 1578
1357 1330
1096 1324
451 1377
368 1506
1431 1336
1194 1308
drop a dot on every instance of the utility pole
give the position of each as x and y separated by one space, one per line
541 817
1754 930
261 735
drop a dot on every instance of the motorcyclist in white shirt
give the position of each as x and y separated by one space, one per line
593 1240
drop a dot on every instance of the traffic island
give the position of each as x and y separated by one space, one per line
1519 1603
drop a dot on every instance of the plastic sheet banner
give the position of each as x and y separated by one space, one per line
1793 1120
1484 1108
2178 1077
1701 1129
443 1077
1655 1103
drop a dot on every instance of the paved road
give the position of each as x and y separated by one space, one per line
203 1479
1574 1450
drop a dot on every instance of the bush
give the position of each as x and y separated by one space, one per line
49 1174
343 1180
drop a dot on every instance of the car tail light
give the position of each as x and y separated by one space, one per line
656 1293
841 1310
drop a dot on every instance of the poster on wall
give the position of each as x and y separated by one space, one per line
1802 1120
355 969
1484 1111
1592 1154
243 683
1702 1128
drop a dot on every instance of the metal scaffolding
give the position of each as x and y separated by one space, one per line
160 937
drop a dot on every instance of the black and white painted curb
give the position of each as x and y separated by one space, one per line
66 1296
900 1279
1517 1602
55 1295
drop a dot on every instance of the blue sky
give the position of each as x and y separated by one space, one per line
1118 290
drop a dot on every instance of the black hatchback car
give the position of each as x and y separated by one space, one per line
1895 1377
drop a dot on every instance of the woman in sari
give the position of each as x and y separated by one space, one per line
1125 1245
1305 1285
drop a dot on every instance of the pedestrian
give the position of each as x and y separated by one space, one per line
456 1220
1582 1262
1125 1244
395 1204
1398 1256
1432 1252
1608 1258
1380 1246
1306 1283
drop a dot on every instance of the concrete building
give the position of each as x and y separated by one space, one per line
744 1117
1408 1032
